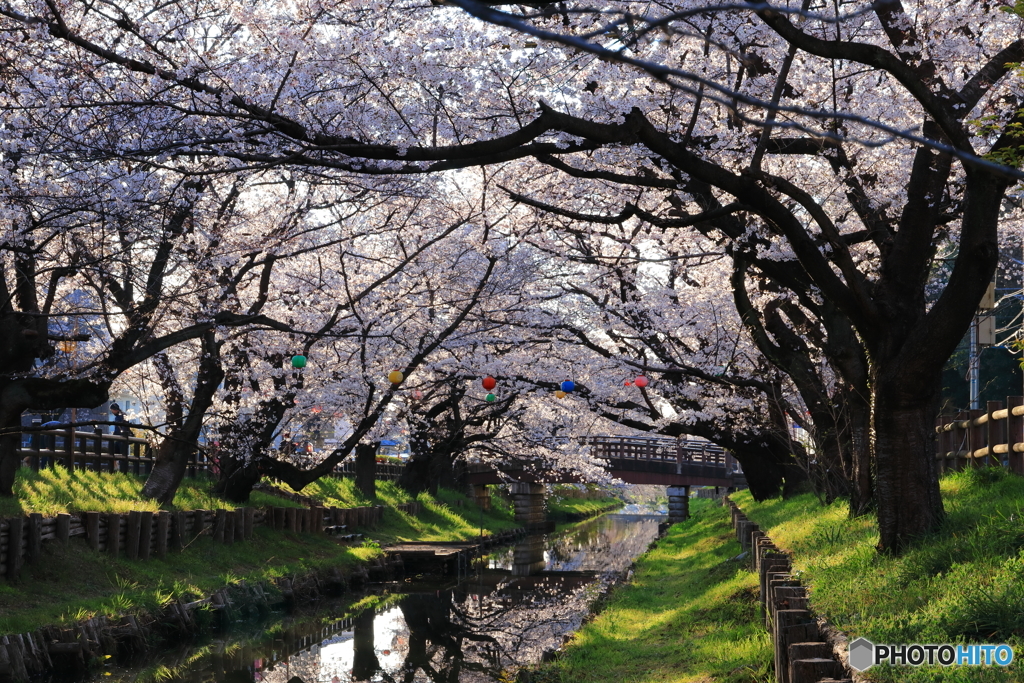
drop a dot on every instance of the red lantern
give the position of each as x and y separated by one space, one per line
489 382
627 383
641 381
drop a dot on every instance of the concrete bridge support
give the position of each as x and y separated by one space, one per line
481 496
528 504
528 556
678 503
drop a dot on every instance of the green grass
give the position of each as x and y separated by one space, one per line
964 583
561 507
689 615
52 491
449 516
73 583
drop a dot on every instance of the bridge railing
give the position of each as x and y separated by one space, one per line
973 438
663 449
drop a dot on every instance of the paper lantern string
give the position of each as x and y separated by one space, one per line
640 381
298 361
560 394
490 398
568 385
395 377
489 382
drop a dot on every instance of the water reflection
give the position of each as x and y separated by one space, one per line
523 601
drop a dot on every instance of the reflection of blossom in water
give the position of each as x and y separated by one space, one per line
489 626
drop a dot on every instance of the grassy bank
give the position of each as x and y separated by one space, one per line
449 516
564 504
688 615
52 491
73 583
962 584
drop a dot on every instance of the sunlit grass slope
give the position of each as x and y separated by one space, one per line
449 516
688 615
962 584
72 582
565 506
52 491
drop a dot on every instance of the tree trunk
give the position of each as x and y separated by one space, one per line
861 492
907 484
415 477
237 479
366 469
177 447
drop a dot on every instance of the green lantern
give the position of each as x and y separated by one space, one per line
490 398
298 361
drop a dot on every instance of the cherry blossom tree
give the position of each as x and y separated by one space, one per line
828 151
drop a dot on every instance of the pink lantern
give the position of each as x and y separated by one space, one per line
640 381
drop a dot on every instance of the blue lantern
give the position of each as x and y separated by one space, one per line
568 385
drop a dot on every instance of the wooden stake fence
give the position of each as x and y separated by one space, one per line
801 653
142 535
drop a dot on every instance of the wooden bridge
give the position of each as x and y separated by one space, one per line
634 460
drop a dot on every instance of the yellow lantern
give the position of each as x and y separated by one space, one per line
560 394
395 377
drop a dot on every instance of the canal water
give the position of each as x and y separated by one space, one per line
520 603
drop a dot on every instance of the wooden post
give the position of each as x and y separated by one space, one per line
1015 435
280 518
92 529
250 516
97 451
239 516
145 534
63 527
132 537
290 519
177 540
15 527
784 619
163 524
975 437
995 432
113 533
218 525
940 442
198 522
813 670
961 441
35 536
69 449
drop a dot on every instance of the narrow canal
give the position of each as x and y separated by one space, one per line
521 602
